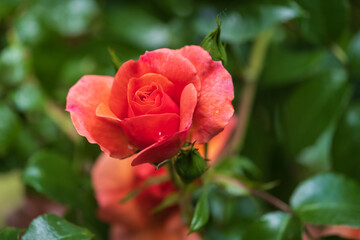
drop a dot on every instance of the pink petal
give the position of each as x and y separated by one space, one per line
147 129
214 108
118 98
162 150
188 103
173 66
82 101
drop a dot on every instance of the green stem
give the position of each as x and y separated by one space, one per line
173 174
339 53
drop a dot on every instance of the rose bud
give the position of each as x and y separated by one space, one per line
190 165
154 105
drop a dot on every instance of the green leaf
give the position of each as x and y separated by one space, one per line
213 45
13 64
138 27
115 60
172 199
66 19
325 20
354 56
9 127
328 199
310 108
284 66
51 174
10 233
274 226
201 214
346 143
250 19
28 97
51 227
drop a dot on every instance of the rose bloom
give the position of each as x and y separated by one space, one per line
113 180
153 105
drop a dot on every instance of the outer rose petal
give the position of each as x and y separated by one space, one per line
147 129
162 150
188 103
82 101
214 108
112 180
218 143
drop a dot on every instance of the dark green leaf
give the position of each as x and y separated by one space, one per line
214 46
51 174
354 56
115 60
311 107
51 227
202 212
10 233
275 226
250 20
170 200
325 19
66 19
9 127
138 27
346 143
285 66
328 199
13 64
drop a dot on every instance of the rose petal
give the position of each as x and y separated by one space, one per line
214 108
118 98
110 174
166 105
187 105
162 150
147 129
163 103
146 79
82 101
174 67
217 144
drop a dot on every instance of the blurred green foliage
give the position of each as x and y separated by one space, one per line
305 119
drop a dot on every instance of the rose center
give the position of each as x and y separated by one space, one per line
147 94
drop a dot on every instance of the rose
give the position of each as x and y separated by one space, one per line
154 104
113 180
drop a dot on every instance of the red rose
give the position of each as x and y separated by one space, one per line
154 104
113 180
